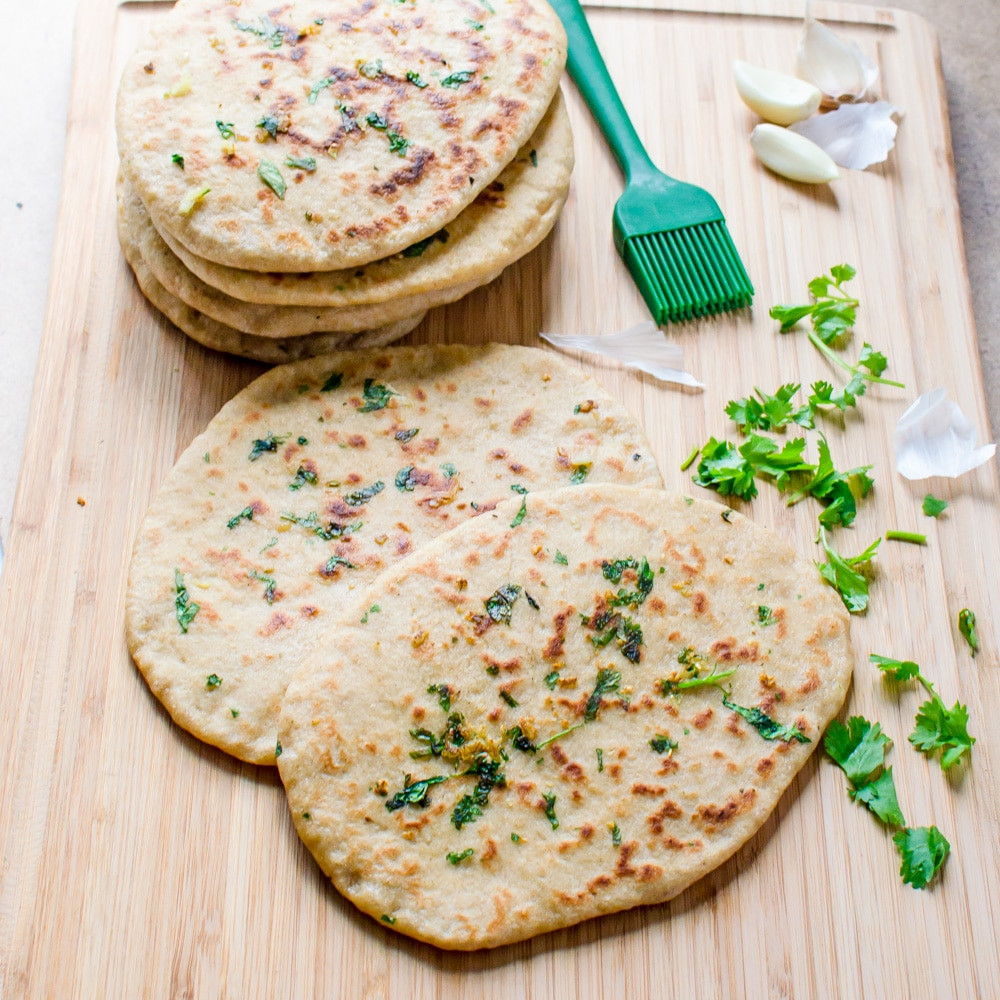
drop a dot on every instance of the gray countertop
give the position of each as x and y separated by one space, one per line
35 81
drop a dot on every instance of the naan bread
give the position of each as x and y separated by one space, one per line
318 476
409 111
483 748
278 322
507 220
270 350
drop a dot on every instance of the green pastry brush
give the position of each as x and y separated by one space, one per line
671 235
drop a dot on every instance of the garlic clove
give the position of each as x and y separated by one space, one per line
838 68
792 155
776 97
855 135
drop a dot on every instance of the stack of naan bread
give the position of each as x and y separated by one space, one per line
317 175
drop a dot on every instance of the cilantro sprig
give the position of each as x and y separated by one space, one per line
859 749
832 313
841 572
937 726
967 626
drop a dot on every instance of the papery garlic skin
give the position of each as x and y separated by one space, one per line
792 155
776 97
838 68
935 438
642 346
855 135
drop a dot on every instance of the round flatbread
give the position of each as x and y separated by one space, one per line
270 350
318 476
312 136
260 321
563 718
507 220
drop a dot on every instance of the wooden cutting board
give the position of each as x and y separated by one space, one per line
138 862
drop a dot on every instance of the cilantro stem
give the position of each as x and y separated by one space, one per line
558 736
686 464
906 536
832 355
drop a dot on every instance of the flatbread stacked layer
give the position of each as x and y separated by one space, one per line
316 174
323 473
559 715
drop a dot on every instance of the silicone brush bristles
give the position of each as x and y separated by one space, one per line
689 272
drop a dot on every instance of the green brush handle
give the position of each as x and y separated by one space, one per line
592 79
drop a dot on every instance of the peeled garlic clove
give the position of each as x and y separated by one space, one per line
855 135
840 69
792 155
776 97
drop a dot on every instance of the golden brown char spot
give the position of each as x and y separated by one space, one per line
554 648
573 771
586 831
765 766
525 790
615 770
521 421
668 766
308 611
703 718
357 441
419 712
558 754
733 725
713 816
699 602
718 755
656 604
640 788
483 402
498 453
669 810
622 865
495 714
490 851
277 621
516 468
812 682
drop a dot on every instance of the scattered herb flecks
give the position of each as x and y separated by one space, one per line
271 176
457 857
456 79
268 443
185 608
358 498
550 809
376 396
244 515
414 793
500 604
607 682
769 728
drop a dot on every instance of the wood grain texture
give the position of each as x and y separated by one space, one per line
140 863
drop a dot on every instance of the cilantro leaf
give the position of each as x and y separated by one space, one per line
880 797
898 670
769 728
724 469
773 412
923 850
414 793
944 729
376 396
859 748
933 507
607 682
768 460
839 571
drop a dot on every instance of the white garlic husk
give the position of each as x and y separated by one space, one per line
642 346
935 438
776 97
792 155
838 68
855 135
